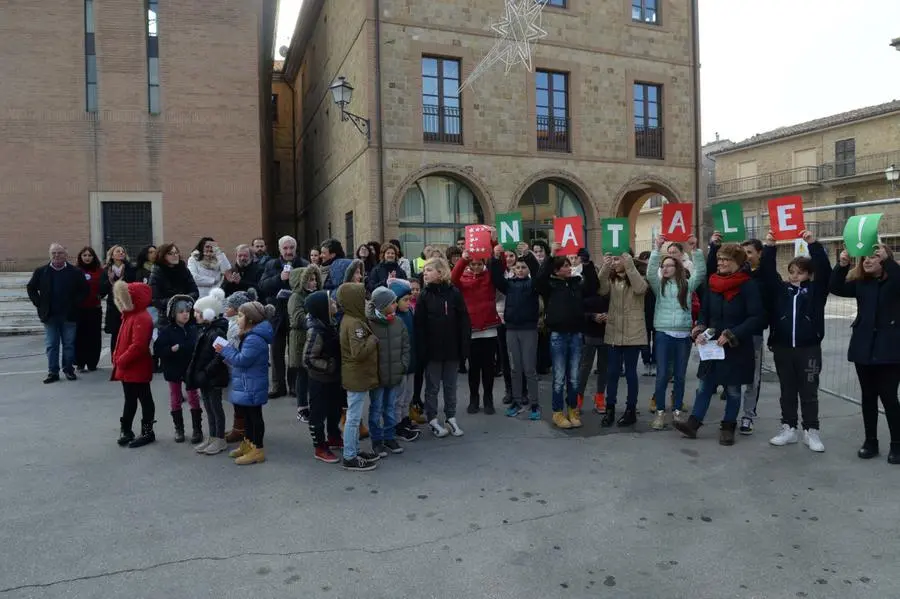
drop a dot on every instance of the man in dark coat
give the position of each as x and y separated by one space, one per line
56 290
244 274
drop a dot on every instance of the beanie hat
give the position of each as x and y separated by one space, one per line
255 312
178 303
211 305
401 288
383 297
239 298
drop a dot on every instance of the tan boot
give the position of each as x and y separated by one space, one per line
254 456
560 421
236 434
242 449
574 418
416 415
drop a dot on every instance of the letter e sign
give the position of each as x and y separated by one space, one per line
786 217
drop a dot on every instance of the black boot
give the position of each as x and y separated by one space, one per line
489 406
473 405
869 449
197 425
894 455
146 437
178 419
126 435
629 418
609 417
688 428
726 433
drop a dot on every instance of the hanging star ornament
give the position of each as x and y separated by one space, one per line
519 28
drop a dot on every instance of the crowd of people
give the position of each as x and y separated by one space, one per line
337 333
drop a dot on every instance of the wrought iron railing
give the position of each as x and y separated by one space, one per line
648 142
859 165
442 124
553 133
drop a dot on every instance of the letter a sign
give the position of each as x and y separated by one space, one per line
569 233
676 221
615 235
509 229
786 217
728 219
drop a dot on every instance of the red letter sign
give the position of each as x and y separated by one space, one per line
786 217
676 221
569 233
478 242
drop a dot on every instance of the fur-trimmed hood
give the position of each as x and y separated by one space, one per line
300 278
170 305
132 297
210 263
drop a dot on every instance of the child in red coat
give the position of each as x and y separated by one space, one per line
132 363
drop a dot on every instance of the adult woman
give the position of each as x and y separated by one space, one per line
401 259
731 315
875 341
90 315
368 258
387 268
208 265
146 258
673 287
118 268
315 257
170 277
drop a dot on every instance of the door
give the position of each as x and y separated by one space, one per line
129 224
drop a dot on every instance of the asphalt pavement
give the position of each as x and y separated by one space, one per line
513 509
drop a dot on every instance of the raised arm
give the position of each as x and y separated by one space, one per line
638 283
698 275
839 285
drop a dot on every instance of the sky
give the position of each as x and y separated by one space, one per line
770 63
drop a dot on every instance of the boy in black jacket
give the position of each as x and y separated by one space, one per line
208 372
797 327
322 358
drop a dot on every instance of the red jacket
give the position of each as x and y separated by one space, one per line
479 293
93 280
132 362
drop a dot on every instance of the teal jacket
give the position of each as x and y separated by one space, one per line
669 315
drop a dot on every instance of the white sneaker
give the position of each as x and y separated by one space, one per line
679 416
811 439
437 430
787 435
454 427
203 445
216 446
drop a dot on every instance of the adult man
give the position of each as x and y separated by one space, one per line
275 287
334 264
260 252
244 274
56 290
461 243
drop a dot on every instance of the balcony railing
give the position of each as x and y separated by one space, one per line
859 165
553 133
442 124
648 142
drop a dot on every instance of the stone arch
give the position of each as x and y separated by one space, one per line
632 195
565 178
465 175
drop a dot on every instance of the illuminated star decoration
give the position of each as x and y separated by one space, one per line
519 28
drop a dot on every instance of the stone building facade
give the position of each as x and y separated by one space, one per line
133 123
604 121
840 159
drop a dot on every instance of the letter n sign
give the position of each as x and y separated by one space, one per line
728 219
509 229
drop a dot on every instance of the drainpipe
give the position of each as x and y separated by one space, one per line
378 120
294 161
698 152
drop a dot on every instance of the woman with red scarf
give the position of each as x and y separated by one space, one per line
731 315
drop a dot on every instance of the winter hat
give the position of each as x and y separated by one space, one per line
211 305
239 298
316 305
255 312
178 303
401 288
383 297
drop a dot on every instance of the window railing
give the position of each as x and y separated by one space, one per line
648 142
442 124
553 134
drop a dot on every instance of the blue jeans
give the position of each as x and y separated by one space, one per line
619 354
565 352
383 413
705 392
58 331
672 356
356 401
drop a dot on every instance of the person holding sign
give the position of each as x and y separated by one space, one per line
673 285
626 332
731 315
797 323
875 341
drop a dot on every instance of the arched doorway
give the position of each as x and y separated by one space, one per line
543 201
434 211
641 201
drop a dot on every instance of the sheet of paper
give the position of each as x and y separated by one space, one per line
711 351
220 341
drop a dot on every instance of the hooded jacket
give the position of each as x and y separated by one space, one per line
402 289
250 366
175 364
564 298
442 325
359 345
207 369
479 293
626 325
166 281
208 273
296 310
379 275
668 314
393 347
113 319
322 350
131 361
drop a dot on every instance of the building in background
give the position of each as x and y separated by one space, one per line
840 159
605 120
133 123
284 217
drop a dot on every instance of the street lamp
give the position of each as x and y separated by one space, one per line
342 93
895 43
892 174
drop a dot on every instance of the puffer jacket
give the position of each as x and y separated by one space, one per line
207 369
208 273
131 361
166 281
393 347
322 352
442 326
359 345
625 326
797 318
296 309
521 307
250 366
175 363
479 293
564 298
668 314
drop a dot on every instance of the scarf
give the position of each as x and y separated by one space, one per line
384 318
729 285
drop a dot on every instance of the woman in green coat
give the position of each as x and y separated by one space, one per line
304 281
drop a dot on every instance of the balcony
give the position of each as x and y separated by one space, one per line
442 124
648 142
805 175
860 166
553 134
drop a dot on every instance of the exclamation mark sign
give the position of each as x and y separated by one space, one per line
859 231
